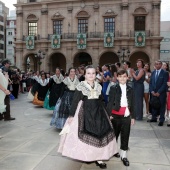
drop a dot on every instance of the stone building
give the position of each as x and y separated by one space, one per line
121 18
165 43
11 36
3 16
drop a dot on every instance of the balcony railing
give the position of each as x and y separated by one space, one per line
147 33
36 37
94 35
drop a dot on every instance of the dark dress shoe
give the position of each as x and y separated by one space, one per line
125 161
101 165
8 119
117 155
152 120
168 125
160 124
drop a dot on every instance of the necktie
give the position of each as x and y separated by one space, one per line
156 76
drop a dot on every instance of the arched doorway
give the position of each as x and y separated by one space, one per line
57 60
82 58
108 58
31 63
138 55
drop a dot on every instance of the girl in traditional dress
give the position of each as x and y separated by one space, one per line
55 86
62 109
88 133
41 91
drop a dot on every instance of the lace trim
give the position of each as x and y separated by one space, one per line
88 91
89 139
58 80
71 84
43 83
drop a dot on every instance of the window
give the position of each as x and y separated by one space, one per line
57 27
9 33
166 40
1 28
11 23
9 51
82 26
32 0
164 51
32 28
9 42
140 23
109 25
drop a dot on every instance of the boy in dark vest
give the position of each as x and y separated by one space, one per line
120 107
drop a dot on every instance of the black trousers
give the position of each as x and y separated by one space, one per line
7 103
122 126
15 90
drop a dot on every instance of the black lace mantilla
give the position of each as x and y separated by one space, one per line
89 138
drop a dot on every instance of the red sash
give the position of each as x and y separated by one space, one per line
120 112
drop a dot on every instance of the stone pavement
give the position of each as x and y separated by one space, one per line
29 143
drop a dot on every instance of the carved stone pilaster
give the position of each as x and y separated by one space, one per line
69 9
124 6
44 11
96 7
156 6
19 13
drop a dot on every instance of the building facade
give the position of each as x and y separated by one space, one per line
44 19
3 16
165 43
10 37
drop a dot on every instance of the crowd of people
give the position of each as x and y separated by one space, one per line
92 106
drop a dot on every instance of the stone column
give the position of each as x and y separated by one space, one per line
156 18
19 59
125 20
44 21
19 24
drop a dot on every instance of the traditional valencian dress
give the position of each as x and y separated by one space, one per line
62 108
55 89
4 83
89 136
41 92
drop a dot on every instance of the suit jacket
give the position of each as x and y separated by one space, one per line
160 85
115 99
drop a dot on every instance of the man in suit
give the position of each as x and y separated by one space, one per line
158 88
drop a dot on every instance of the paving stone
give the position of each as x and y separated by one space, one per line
142 133
20 161
58 163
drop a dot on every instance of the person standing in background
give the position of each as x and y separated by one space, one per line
158 88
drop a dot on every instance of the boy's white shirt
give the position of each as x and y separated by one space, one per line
123 101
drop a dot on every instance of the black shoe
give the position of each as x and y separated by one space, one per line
160 123
168 125
8 119
125 161
101 165
152 120
117 155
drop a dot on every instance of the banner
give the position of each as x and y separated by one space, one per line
108 39
140 38
81 41
30 42
55 41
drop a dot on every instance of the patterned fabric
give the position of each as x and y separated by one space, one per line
87 90
71 84
56 121
59 79
71 146
46 102
90 139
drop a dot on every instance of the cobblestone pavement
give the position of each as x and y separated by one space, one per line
29 143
